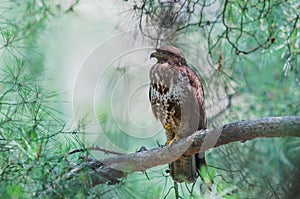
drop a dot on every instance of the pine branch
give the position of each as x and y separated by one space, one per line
110 170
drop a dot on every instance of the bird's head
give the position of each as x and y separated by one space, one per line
164 53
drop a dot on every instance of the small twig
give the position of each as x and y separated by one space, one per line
96 148
71 8
273 190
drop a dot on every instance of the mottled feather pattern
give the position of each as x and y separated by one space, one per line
177 101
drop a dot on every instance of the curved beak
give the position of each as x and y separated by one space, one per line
155 54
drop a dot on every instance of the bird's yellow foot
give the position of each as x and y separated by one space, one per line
175 139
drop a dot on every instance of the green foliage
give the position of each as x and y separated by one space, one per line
30 126
29 131
253 49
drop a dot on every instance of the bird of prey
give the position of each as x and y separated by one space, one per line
177 101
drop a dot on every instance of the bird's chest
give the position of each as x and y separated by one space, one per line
168 91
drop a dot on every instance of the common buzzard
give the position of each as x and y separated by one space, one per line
177 101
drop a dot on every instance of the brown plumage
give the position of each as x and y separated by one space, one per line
177 101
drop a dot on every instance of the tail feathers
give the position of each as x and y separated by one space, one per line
200 160
186 169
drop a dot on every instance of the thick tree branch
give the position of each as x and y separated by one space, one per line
203 140
111 169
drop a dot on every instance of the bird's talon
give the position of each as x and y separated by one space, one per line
170 142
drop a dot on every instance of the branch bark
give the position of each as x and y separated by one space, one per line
112 168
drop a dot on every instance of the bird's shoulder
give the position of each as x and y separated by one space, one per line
194 79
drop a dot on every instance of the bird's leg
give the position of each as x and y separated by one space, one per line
175 139
171 135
